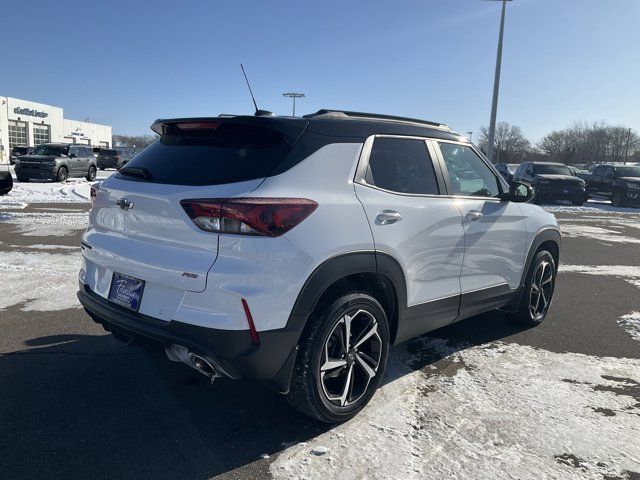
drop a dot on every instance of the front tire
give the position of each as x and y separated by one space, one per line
341 359
538 291
91 174
62 174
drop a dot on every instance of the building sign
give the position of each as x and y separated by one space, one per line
30 112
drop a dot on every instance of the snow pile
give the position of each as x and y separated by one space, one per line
508 411
39 281
42 224
631 323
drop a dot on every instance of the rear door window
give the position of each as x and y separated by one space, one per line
469 175
232 153
401 165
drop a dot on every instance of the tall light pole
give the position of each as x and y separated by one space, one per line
294 95
496 85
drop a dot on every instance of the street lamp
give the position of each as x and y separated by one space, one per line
294 95
496 84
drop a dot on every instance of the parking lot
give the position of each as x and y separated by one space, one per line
478 399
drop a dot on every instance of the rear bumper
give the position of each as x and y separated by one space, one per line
107 163
231 350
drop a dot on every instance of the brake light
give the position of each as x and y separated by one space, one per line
94 193
270 217
197 125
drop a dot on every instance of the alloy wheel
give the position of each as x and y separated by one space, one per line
350 358
541 290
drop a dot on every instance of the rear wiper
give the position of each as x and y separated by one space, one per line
136 172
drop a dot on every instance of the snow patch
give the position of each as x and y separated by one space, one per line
509 411
590 207
631 323
39 281
630 273
42 224
75 190
596 233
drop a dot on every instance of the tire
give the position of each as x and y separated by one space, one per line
22 179
618 200
91 174
62 174
101 168
525 315
316 393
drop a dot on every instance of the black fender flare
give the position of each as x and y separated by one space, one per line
549 234
325 275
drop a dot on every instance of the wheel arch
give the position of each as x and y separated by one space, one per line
377 274
546 239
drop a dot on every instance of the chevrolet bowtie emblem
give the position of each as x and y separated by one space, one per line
124 204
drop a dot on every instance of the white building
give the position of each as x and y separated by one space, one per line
29 123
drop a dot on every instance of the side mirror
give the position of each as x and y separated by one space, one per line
519 192
72 155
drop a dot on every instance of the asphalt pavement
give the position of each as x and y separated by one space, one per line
75 404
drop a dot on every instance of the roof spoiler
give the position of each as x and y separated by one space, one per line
375 116
291 128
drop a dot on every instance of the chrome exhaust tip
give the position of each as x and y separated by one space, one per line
203 365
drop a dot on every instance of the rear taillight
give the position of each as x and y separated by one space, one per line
270 217
94 193
118 158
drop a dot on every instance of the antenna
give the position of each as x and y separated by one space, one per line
250 91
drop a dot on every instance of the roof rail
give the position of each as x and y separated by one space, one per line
375 116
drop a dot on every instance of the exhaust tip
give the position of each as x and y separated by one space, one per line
202 365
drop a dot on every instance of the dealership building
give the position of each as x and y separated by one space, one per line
30 124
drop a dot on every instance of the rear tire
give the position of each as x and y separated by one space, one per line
62 174
91 174
101 168
618 200
538 291
332 379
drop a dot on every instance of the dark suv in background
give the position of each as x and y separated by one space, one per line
112 158
57 161
552 182
619 183
19 151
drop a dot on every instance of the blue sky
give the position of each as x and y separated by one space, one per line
127 63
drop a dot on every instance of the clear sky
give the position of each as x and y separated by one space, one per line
125 63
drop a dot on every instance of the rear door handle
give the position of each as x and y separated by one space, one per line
474 215
387 217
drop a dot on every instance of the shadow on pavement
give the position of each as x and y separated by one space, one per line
76 406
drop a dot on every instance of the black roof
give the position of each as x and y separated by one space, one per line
335 123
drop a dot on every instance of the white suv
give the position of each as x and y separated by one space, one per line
297 250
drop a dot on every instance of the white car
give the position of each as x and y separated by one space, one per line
295 251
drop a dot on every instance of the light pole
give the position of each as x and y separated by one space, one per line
496 84
294 95
469 135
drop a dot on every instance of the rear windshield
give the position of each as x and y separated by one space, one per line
20 150
109 152
231 153
53 150
552 169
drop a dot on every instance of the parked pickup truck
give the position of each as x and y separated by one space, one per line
619 183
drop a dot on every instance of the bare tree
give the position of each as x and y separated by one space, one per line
510 144
140 141
590 143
